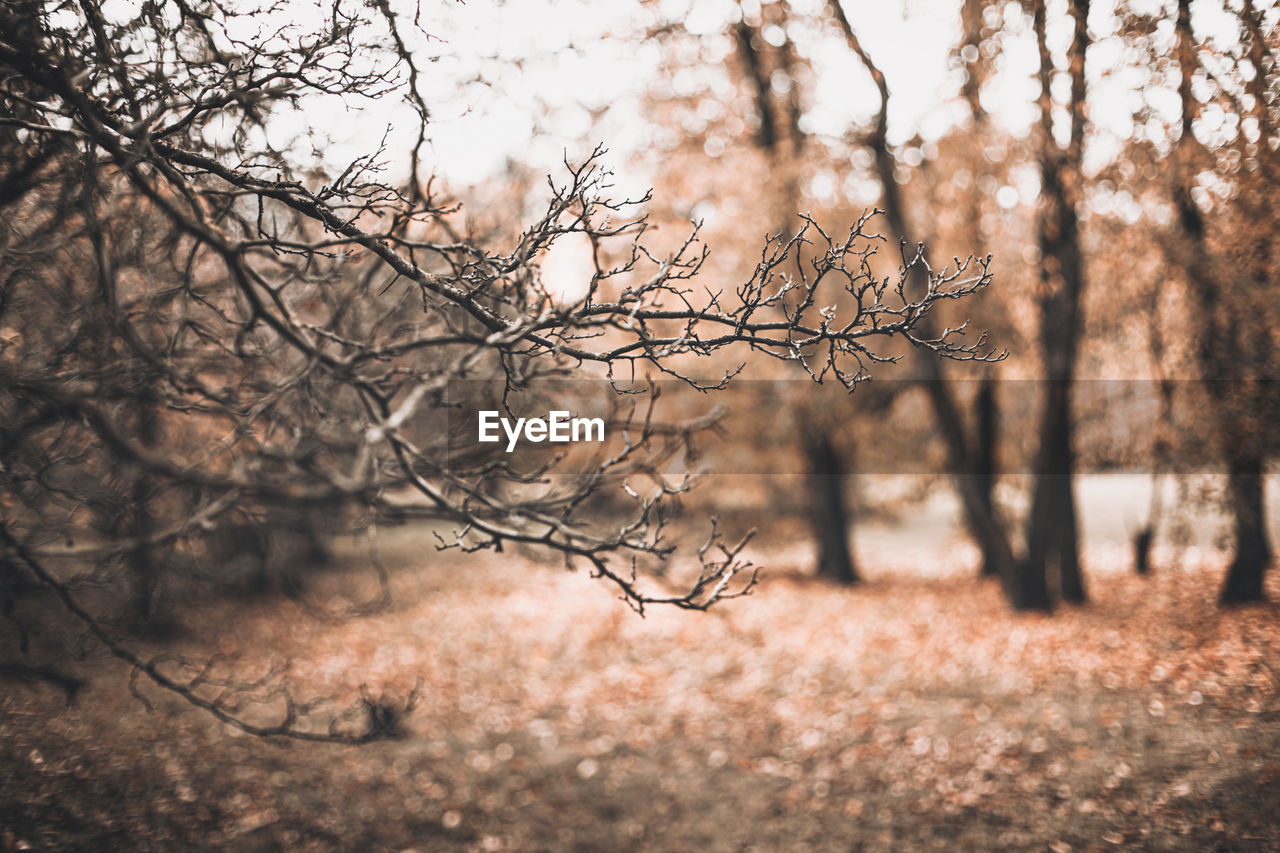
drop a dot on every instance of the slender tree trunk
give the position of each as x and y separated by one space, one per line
1052 535
1253 551
1222 326
1248 477
1142 550
997 558
985 462
1145 537
975 498
980 517
1069 574
830 516
745 37
1160 457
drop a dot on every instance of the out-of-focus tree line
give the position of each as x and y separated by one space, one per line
1140 247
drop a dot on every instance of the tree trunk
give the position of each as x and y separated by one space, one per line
1223 359
1253 551
1052 535
830 516
1160 461
975 498
984 524
1142 550
985 461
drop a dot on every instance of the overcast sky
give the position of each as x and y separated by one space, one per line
524 79
529 79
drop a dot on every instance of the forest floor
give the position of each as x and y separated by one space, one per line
913 712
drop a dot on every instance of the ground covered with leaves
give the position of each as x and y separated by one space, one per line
914 712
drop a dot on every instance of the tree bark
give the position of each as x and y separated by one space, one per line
1052 534
1223 359
1142 550
1248 568
986 416
830 516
